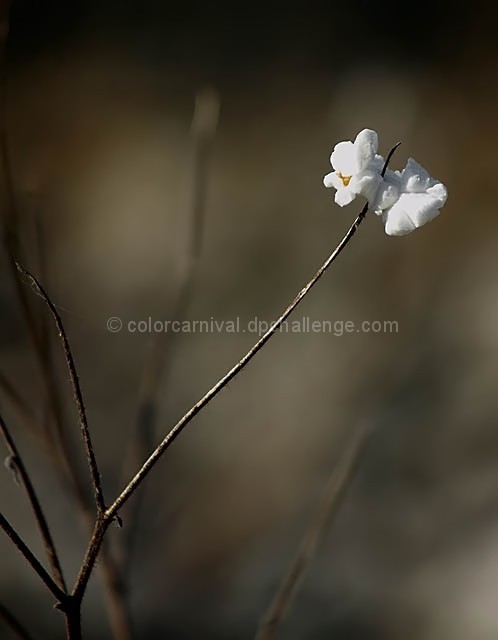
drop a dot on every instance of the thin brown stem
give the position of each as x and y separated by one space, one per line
336 488
58 441
111 512
31 559
91 554
135 482
222 383
62 453
78 396
117 610
41 521
13 623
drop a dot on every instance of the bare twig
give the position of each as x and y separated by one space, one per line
41 521
159 361
337 485
78 396
13 623
31 559
116 607
59 442
135 482
117 610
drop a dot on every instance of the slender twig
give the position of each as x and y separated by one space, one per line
111 512
41 521
61 453
44 321
13 623
32 560
67 469
336 488
78 396
58 442
66 465
159 362
117 610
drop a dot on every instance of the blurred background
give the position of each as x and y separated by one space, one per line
99 104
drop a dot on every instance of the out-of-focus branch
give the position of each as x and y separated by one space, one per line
204 126
17 402
13 623
31 559
335 490
41 521
159 362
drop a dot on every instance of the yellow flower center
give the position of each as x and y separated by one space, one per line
345 179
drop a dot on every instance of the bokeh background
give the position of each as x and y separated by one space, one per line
100 97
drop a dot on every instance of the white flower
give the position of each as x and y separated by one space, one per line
406 200
417 201
356 167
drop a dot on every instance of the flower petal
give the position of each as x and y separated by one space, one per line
439 193
366 145
415 178
377 163
343 158
344 196
333 180
397 222
411 211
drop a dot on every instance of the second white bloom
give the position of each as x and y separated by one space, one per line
408 199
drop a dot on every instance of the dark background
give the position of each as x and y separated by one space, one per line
98 109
